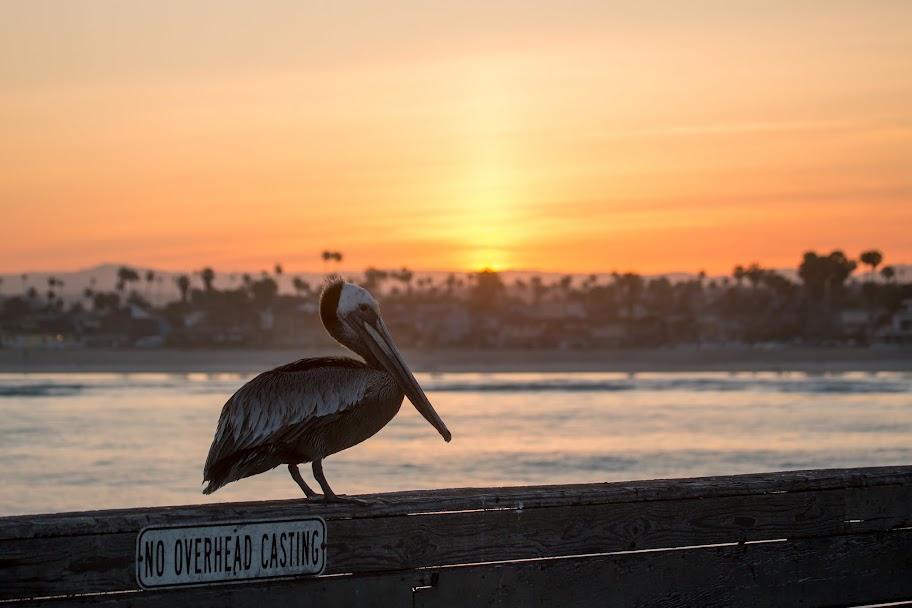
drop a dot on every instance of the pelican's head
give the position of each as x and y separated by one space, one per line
338 302
352 316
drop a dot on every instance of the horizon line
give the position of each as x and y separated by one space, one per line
860 268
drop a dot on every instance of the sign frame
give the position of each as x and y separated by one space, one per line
267 531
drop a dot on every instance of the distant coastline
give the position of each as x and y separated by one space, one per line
186 361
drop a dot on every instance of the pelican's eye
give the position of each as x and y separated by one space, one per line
363 307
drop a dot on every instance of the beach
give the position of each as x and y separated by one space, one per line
245 361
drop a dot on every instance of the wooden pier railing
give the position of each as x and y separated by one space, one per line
809 538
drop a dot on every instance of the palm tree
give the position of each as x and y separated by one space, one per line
125 275
373 277
300 285
207 275
327 256
823 277
54 301
871 258
487 290
823 274
754 274
264 292
630 286
566 283
539 289
183 283
520 287
405 275
888 272
150 278
51 281
739 274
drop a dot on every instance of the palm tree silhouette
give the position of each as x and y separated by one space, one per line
539 289
405 275
150 278
754 274
871 258
738 273
300 285
327 256
125 276
183 283
823 277
207 275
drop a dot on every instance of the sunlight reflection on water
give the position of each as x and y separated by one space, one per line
87 441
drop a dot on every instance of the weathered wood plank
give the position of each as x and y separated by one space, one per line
832 571
91 564
464 499
375 591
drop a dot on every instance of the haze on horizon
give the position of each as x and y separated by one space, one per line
572 137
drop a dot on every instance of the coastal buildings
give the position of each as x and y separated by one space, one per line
625 311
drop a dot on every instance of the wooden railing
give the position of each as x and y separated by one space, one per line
809 538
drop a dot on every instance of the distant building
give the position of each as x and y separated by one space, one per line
900 329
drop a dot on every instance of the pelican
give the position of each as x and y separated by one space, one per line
306 410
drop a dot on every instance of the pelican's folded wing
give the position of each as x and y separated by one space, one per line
285 402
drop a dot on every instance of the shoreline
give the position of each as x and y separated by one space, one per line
186 361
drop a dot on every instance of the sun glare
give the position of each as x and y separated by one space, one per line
488 259
487 233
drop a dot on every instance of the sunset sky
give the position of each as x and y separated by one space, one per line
573 136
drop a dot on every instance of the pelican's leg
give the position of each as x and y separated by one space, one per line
296 475
328 494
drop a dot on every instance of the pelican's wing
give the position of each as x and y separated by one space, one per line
283 403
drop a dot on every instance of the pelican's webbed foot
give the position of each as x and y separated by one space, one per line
328 495
344 500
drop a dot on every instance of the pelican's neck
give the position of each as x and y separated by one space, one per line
356 345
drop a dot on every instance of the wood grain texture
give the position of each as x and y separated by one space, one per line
410 533
374 591
459 499
833 571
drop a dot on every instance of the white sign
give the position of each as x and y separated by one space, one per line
176 556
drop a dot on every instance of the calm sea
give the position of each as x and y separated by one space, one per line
90 441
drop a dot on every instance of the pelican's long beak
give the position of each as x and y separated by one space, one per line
372 330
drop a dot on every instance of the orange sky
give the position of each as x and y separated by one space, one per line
567 136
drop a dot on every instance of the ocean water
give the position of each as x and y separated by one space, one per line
91 441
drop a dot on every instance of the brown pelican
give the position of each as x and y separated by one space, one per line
304 411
